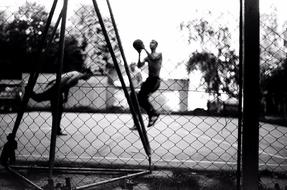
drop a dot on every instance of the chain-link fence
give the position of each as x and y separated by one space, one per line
198 124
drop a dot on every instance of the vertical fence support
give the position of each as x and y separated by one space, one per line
56 120
250 138
136 121
34 75
240 94
135 104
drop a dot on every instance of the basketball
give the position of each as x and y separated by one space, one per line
138 45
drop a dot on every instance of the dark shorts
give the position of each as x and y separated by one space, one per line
150 85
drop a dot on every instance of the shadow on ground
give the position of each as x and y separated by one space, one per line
158 180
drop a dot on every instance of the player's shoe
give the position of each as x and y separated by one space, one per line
152 120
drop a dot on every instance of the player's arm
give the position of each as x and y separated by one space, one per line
139 77
52 82
141 63
73 81
160 58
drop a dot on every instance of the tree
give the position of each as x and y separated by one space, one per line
273 63
273 84
3 21
3 34
87 29
8 70
24 35
215 58
272 54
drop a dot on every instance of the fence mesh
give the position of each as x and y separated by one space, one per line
198 125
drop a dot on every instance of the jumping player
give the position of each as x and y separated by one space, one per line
152 83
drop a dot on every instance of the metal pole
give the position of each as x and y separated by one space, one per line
81 170
133 93
239 131
56 119
119 74
250 138
55 29
112 180
24 178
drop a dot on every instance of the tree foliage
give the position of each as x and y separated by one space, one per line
87 29
215 58
273 84
23 36
273 65
218 62
270 44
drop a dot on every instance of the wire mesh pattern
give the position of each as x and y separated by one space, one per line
97 119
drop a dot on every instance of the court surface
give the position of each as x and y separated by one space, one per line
176 140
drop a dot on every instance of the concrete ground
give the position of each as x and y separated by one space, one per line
202 143
157 180
176 141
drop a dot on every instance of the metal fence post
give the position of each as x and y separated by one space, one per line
250 138
56 120
136 106
240 94
137 123
34 75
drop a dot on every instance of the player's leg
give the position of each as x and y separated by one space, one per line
60 111
150 86
43 96
154 84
